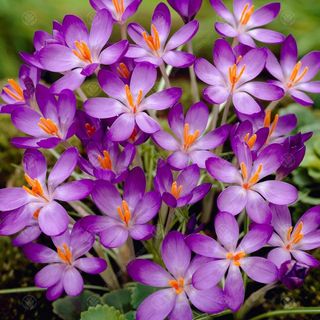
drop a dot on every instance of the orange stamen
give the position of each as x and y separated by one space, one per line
119 6
65 254
153 41
134 135
176 190
272 126
133 104
177 285
91 130
36 188
105 161
250 141
36 214
236 257
296 237
123 71
83 52
244 170
234 77
124 212
254 179
15 92
189 139
246 14
295 77
49 127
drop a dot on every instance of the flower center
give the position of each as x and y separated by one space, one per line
296 76
36 214
295 237
153 40
246 14
176 190
177 285
271 125
49 127
236 257
134 135
234 73
36 188
82 52
65 254
15 91
133 104
250 140
90 130
105 161
253 179
124 212
119 6
189 139
123 71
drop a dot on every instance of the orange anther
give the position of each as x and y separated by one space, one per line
48 126
36 188
65 254
177 285
153 41
105 161
119 6
250 141
133 104
234 77
123 71
189 139
176 190
83 51
246 14
124 212
236 257
296 76
15 92
91 130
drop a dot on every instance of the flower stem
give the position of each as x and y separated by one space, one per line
276 313
126 254
169 220
226 111
123 30
214 116
193 79
82 95
272 105
165 76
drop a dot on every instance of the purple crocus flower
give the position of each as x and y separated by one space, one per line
231 78
294 241
187 9
182 190
190 144
107 161
129 102
177 291
124 69
293 76
62 272
229 255
245 22
246 190
39 199
155 48
292 274
83 52
123 216
121 10
53 123
20 93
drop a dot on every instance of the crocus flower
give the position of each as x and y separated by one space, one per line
177 291
293 76
292 274
83 52
227 254
39 199
53 123
246 190
294 241
187 9
245 22
182 190
123 69
190 144
129 102
121 10
231 75
20 93
294 152
123 216
154 47
107 161
62 272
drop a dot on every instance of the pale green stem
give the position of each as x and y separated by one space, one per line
165 76
193 79
82 95
123 29
279 313
226 111
272 105
169 221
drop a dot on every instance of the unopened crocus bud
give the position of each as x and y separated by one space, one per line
292 274
187 9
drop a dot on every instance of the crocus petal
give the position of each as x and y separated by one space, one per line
244 103
233 200
179 59
66 107
305 258
165 140
281 218
188 179
260 269
146 123
114 237
199 192
266 36
72 80
200 157
310 220
205 246
222 11
49 275
207 73
176 120
161 19
256 238
13 198
214 138
239 5
263 91
26 120
208 275
265 14
55 291
278 256
234 288
312 61
26 236
225 29
181 309
148 207
257 208
112 85
148 273
223 56
277 192
313 86
197 117
175 254
72 282
157 306
35 165
53 219
38 253
216 94
122 128
274 67
142 231
183 35
135 32
73 191
223 171
103 108
143 78
74 29
91 265
289 55
114 53
227 230
179 160
286 124
301 98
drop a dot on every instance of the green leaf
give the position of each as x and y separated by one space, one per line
120 299
102 313
70 308
139 293
130 315
278 313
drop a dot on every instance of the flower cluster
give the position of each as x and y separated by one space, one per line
143 179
